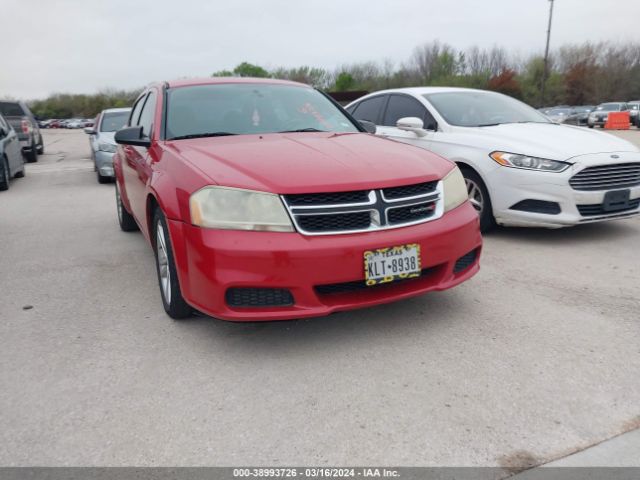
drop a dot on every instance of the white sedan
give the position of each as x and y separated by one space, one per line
521 169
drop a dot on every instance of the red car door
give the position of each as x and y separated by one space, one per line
135 156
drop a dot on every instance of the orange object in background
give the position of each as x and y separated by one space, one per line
617 121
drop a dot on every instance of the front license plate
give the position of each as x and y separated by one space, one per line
393 263
616 200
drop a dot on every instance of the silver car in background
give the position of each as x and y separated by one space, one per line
103 146
600 115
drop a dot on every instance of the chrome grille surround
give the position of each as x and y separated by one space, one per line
378 207
607 177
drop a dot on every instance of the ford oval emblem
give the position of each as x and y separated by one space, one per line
615 156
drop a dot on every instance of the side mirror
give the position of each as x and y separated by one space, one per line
132 136
412 124
89 131
370 127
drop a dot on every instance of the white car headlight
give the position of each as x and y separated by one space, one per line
237 209
528 163
455 190
106 147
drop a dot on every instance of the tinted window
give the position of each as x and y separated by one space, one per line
400 106
135 115
11 109
148 111
370 109
112 121
241 109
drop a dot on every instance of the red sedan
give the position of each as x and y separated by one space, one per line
264 200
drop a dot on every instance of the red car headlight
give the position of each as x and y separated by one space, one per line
237 209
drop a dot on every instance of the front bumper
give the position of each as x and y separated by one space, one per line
211 261
104 163
599 122
510 186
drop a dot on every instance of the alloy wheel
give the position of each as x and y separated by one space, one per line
118 203
475 195
163 263
5 173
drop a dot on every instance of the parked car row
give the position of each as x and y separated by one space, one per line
227 177
591 115
66 123
265 199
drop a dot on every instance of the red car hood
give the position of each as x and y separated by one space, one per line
309 162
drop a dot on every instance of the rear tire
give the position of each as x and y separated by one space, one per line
102 179
172 300
125 219
31 155
4 174
479 198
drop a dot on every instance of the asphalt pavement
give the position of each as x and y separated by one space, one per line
535 358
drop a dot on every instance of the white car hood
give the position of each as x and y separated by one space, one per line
552 141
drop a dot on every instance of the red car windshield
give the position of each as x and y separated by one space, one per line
238 109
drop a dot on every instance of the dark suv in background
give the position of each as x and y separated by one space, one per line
24 123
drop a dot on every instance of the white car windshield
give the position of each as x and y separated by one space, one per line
609 107
482 109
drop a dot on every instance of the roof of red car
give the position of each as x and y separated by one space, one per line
187 82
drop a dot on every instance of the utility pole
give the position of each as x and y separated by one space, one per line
545 70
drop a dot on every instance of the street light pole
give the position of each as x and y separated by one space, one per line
546 56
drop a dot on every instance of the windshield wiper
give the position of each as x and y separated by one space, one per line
309 129
489 124
202 135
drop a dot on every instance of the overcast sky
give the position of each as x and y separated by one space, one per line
81 46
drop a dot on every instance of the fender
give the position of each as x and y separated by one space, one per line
117 170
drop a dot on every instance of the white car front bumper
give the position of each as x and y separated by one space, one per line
542 199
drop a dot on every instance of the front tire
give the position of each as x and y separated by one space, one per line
4 175
479 198
125 219
172 300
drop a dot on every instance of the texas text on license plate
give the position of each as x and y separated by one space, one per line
393 263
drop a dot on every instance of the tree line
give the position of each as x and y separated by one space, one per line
577 74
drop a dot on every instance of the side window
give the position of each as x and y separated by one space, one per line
403 106
370 109
147 114
135 113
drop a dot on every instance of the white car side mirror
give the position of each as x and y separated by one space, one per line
89 131
412 124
